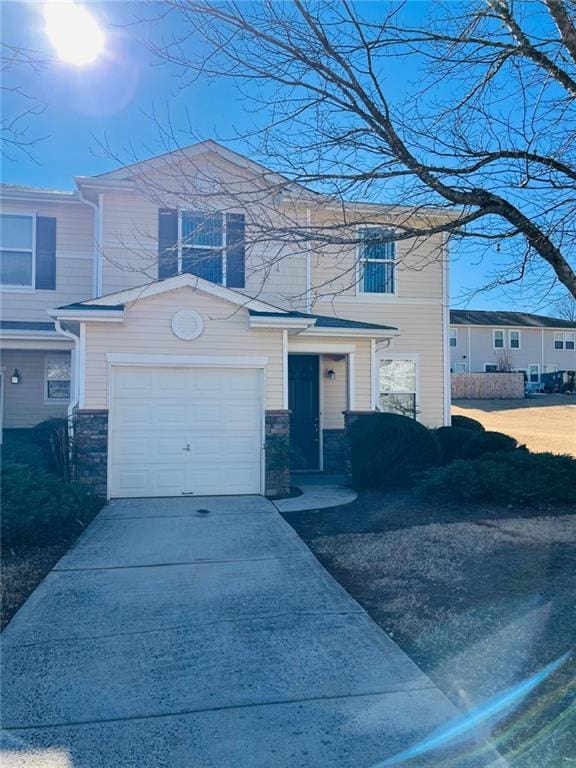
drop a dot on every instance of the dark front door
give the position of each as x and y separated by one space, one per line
304 404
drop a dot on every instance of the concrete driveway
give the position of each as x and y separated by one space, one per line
202 633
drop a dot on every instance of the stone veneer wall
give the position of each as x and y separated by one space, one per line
91 449
277 453
335 450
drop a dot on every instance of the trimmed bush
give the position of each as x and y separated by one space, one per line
39 508
18 447
52 436
489 442
516 477
453 441
387 450
465 422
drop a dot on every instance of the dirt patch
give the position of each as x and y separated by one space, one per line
480 597
541 422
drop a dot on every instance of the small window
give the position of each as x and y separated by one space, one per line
459 367
550 369
534 373
569 340
490 368
498 339
514 339
58 376
397 387
17 250
558 340
453 337
377 260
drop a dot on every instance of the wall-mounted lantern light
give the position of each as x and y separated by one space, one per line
330 374
16 378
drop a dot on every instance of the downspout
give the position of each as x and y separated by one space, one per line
308 263
75 393
447 405
97 276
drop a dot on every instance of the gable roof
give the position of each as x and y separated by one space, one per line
497 318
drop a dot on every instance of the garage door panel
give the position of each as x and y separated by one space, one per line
157 412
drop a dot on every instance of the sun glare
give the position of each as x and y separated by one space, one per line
73 32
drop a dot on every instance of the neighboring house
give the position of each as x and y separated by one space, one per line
192 334
484 341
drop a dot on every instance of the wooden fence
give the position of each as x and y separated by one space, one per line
487 386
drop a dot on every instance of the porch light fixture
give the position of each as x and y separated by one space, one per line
330 374
16 378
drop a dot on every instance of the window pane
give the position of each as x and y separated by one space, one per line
558 344
514 340
534 373
202 229
402 404
58 370
15 231
378 277
59 390
378 243
453 338
203 263
489 368
499 339
15 268
397 376
569 345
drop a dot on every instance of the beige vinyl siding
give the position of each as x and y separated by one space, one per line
421 333
25 403
74 262
334 397
147 330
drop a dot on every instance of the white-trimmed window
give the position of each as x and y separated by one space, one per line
550 369
498 339
17 250
490 368
514 339
564 340
377 260
453 337
58 379
534 373
397 386
460 367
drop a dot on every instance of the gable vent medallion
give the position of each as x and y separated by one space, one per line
187 324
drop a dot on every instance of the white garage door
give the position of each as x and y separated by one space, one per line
185 431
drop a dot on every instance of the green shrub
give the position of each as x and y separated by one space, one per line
489 442
516 477
19 447
453 441
40 508
52 436
387 450
465 422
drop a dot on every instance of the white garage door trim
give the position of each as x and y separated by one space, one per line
185 361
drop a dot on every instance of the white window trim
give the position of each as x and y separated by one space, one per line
53 357
385 355
492 365
494 332
462 365
569 336
533 365
453 335
6 287
359 261
510 332
222 248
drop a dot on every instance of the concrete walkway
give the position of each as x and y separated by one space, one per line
202 633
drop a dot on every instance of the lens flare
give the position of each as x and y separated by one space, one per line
73 31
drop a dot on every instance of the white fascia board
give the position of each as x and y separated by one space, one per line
280 322
103 183
370 333
101 316
185 281
40 197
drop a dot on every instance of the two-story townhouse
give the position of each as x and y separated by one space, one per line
201 315
487 341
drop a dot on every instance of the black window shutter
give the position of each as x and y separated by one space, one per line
45 253
235 250
167 242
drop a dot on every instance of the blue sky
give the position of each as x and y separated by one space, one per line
111 101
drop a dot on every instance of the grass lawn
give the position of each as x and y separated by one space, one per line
480 598
541 422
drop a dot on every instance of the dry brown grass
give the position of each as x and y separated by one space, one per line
542 423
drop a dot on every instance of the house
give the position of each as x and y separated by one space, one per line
484 341
196 315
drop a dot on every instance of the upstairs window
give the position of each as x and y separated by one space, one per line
377 259
453 337
564 340
209 245
17 251
514 339
397 387
498 339
58 377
